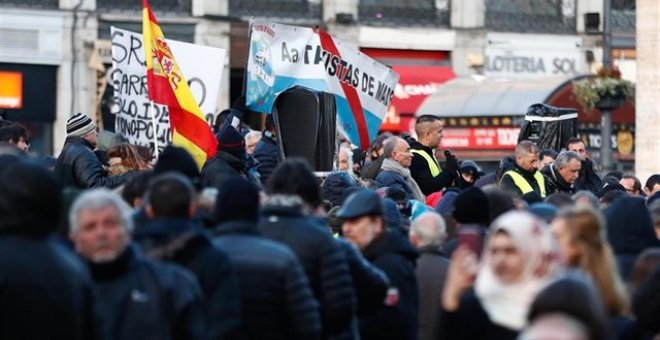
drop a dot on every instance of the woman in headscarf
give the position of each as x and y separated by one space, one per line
518 261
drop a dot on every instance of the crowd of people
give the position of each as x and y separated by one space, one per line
395 244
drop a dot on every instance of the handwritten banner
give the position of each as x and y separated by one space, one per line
134 114
282 57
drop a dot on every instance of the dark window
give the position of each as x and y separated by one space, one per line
40 4
302 11
434 13
160 7
531 16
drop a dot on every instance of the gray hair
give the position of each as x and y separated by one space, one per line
564 158
587 195
389 145
97 199
430 228
251 136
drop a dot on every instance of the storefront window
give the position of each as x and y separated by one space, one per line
538 16
404 13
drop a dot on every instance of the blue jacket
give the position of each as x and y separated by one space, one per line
276 299
141 299
268 155
392 179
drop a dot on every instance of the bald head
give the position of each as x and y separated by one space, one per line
429 130
429 229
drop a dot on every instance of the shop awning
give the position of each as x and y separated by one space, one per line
472 97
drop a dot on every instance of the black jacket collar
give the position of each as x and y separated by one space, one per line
78 140
108 271
523 172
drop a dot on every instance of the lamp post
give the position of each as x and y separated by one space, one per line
606 160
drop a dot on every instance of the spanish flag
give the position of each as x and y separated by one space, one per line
168 86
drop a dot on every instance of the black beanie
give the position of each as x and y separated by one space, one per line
471 206
231 141
237 199
179 160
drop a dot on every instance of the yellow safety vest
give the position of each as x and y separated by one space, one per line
433 165
522 183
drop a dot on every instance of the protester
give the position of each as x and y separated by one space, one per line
345 159
471 210
580 234
251 140
229 160
395 170
588 178
652 185
365 226
77 164
45 291
547 157
470 173
266 151
574 298
629 231
632 185
292 197
524 178
516 265
172 235
335 187
424 167
586 198
562 174
427 233
275 296
137 298
17 135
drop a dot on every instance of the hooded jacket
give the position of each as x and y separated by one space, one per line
323 260
79 167
588 178
141 299
181 242
222 166
394 255
629 231
276 299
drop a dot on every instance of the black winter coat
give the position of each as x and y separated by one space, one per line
276 299
393 254
588 179
268 155
431 272
324 263
554 182
369 282
221 167
181 242
142 299
79 167
45 291
372 169
471 321
420 172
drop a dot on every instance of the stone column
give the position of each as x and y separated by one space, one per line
647 101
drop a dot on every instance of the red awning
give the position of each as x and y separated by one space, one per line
416 83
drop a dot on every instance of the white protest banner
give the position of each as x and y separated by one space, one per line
202 66
282 57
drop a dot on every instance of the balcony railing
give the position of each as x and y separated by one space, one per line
37 4
283 10
166 7
531 16
430 13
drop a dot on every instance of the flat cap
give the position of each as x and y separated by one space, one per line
364 202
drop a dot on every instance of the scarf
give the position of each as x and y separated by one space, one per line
394 166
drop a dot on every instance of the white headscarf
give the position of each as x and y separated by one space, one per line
507 304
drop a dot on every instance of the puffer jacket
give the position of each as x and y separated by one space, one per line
79 167
324 263
267 153
142 299
276 299
181 241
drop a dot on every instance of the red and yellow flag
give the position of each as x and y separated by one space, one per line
168 86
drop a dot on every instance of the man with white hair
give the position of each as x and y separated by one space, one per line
427 233
137 298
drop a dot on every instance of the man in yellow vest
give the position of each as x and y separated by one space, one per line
424 168
524 177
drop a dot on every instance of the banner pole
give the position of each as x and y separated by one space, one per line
153 125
